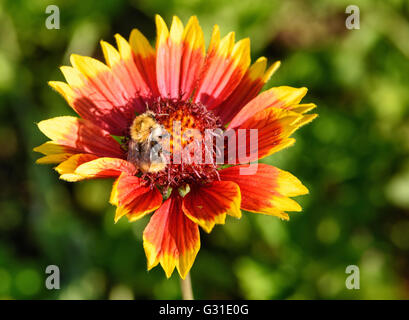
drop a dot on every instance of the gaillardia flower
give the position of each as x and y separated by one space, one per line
182 94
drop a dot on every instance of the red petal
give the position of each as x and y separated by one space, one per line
171 238
225 65
133 198
144 57
267 191
279 97
180 56
123 67
74 135
105 168
273 127
193 57
248 88
168 57
98 95
207 205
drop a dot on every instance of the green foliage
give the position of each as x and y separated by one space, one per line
353 158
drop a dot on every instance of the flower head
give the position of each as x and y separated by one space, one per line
179 128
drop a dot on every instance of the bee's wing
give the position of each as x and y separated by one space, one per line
133 152
138 154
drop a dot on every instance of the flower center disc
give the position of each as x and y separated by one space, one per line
187 125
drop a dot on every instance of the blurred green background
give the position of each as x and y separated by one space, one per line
353 158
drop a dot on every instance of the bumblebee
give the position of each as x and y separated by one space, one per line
145 148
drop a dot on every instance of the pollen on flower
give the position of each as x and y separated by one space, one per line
184 148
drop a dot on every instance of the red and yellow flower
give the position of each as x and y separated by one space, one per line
178 80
